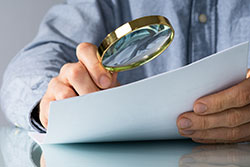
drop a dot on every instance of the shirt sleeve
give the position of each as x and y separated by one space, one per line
62 29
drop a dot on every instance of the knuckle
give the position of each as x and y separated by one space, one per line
75 71
219 103
53 82
233 134
243 97
65 68
233 118
204 123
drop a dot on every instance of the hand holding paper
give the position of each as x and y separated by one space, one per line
222 117
147 109
80 78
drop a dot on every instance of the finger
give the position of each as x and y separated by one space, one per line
56 91
44 111
87 54
77 76
62 91
236 96
248 73
229 118
227 134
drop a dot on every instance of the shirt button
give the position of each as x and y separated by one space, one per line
203 18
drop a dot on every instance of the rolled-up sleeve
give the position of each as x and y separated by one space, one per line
62 29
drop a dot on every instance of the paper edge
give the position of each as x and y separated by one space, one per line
164 73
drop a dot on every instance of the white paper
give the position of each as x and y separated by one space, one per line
147 109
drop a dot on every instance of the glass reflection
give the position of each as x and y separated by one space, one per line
147 154
18 149
234 155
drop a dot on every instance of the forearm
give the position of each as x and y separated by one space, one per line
26 79
62 29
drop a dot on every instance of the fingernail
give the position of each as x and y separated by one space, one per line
105 81
200 108
185 123
187 132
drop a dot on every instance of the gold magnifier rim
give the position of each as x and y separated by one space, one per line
128 28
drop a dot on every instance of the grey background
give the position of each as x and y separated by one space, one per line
19 22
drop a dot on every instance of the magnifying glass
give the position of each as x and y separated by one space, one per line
135 43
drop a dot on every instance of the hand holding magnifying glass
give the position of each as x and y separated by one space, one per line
131 45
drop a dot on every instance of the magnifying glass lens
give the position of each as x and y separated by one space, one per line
137 47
